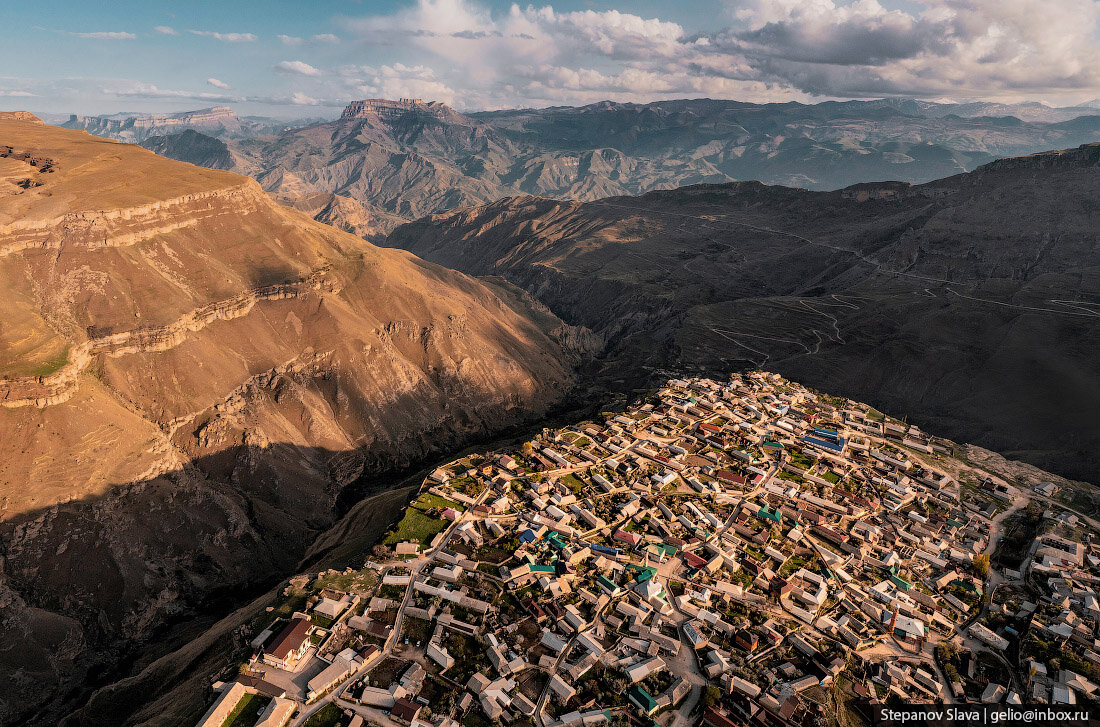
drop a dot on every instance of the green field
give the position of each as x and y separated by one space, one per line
417 525
246 711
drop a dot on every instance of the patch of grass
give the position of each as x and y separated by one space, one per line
328 716
246 711
575 485
52 365
360 581
417 525
427 500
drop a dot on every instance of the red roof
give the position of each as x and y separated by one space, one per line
730 477
694 560
290 638
405 710
713 718
627 537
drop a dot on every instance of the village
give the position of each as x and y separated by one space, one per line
724 553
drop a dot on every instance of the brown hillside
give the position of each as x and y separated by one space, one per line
189 376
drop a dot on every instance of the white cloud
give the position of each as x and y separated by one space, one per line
768 50
105 35
325 38
295 68
165 30
218 84
226 37
137 89
290 40
397 81
17 94
300 99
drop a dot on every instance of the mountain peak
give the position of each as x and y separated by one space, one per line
389 109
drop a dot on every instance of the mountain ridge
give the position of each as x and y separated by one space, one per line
191 374
933 299
421 157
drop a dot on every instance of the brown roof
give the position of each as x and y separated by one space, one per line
713 718
263 687
290 638
404 709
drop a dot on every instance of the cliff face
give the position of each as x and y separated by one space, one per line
969 303
220 120
190 375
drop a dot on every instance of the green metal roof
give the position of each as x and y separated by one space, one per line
901 582
643 699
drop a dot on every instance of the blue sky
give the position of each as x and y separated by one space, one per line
288 58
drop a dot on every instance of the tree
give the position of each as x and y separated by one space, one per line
711 696
981 565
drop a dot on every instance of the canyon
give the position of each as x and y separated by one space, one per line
190 376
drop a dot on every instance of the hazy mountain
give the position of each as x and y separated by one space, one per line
971 303
1026 111
192 147
190 376
405 159
218 121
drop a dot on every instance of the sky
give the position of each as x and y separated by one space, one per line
301 58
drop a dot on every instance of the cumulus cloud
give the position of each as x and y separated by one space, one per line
165 30
953 47
767 50
226 37
290 40
218 84
394 81
295 68
16 93
325 38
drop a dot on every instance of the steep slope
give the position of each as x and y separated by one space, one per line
404 159
973 303
190 375
192 147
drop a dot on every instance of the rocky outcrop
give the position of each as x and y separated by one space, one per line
60 386
217 119
125 226
20 116
388 109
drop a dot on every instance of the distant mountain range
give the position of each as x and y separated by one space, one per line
971 303
405 159
217 121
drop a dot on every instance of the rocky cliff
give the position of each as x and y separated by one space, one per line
190 376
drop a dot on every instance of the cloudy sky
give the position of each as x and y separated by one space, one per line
298 58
